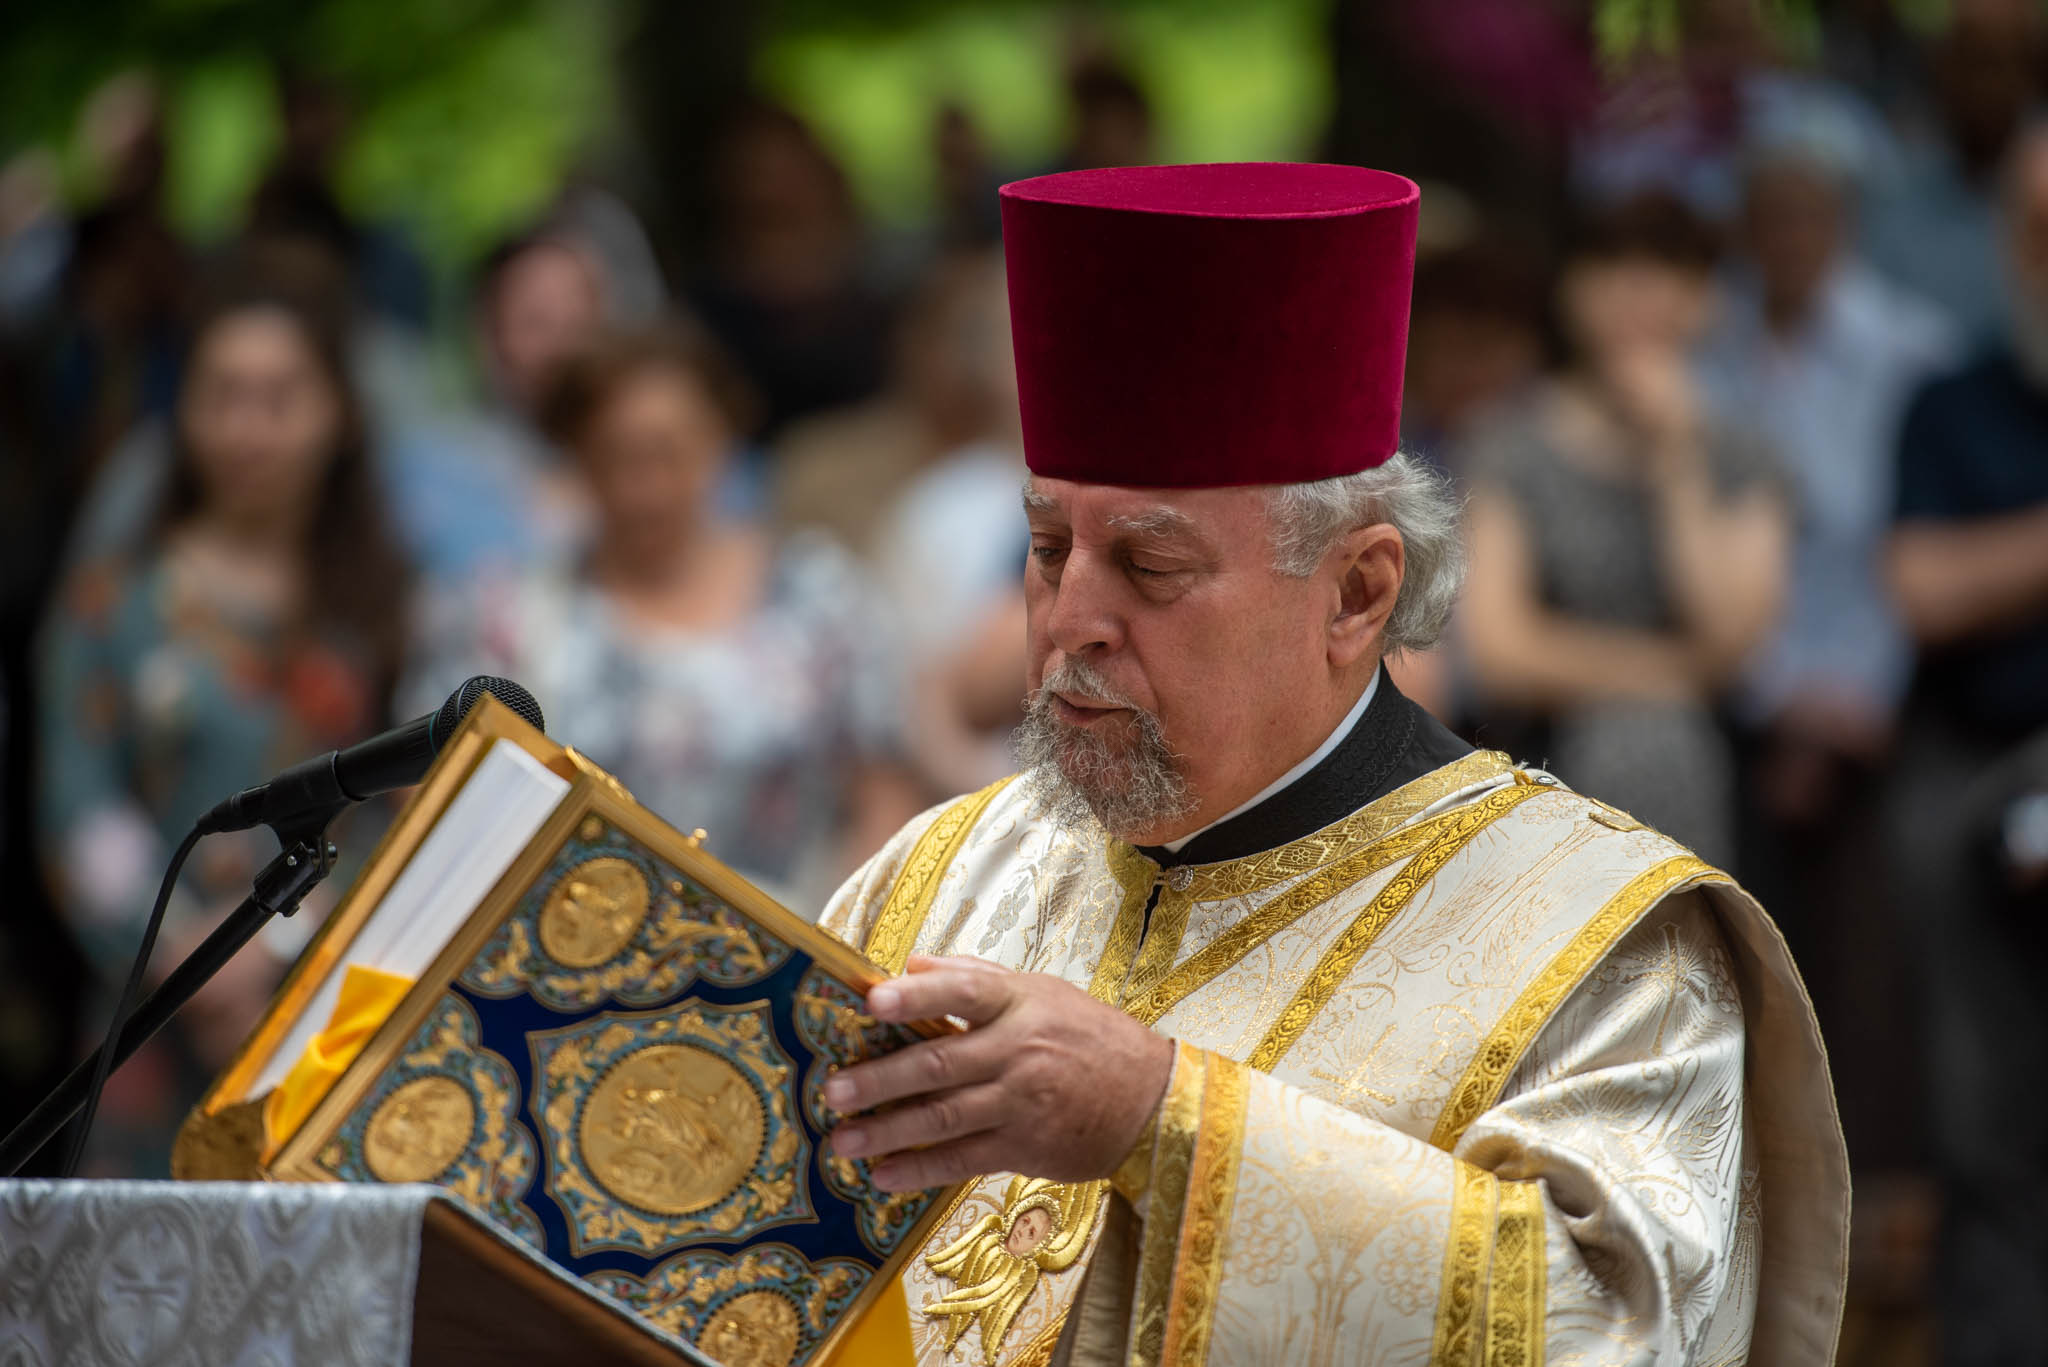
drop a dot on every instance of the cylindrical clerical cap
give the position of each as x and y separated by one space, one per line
1200 326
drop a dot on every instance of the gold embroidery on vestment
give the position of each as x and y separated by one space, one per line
1459 829
910 900
1173 1163
1136 875
1205 1224
1372 822
1514 1293
1518 1027
1229 949
1466 1255
1042 1227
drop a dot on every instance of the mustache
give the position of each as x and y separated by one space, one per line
1073 675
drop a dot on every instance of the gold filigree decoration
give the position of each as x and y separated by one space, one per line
1515 1290
754 1329
568 1065
1205 1223
1458 830
419 1129
1229 949
593 912
910 900
1519 1025
1374 821
1461 1302
672 1129
995 1266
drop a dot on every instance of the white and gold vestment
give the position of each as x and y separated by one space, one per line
1484 1072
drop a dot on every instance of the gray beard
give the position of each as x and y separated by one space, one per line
1079 776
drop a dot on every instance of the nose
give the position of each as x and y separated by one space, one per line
1083 617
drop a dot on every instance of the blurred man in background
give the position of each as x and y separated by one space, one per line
1969 563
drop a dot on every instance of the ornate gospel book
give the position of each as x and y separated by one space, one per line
544 999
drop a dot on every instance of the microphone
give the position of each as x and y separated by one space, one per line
398 758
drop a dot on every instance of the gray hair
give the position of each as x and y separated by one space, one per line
1417 500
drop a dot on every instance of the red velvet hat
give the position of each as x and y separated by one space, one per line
1200 326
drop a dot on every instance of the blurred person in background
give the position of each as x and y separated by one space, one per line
1475 340
1969 565
465 490
789 289
540 298
965 181
1628 551
951 389
949 552
1820 354
1933 226
729 679
1109 116
297 198
261 620
122 331
922 483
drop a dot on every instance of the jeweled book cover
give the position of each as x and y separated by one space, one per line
620 1057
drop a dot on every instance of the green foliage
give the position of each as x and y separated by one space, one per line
1227 82
467 112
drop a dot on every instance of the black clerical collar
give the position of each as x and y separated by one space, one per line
1393 743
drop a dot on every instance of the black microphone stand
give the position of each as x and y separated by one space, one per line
307 857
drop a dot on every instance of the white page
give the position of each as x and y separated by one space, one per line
508 797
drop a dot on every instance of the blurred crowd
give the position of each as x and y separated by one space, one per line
1742 361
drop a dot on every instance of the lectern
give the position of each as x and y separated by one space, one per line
190 1274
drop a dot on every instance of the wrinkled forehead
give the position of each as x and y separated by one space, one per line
1213 515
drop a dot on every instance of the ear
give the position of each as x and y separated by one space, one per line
1368 563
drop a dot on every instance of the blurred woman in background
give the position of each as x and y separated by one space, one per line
1627 552
260 621
729 680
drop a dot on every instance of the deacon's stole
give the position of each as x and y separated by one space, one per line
1346 1007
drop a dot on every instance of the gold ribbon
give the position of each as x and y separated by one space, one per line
368 997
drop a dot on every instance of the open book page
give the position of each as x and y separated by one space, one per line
485 827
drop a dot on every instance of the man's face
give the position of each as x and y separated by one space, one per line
1792 221
1165 602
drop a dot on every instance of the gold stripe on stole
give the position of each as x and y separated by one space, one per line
1181 1113
1205 1223
1514 1293
1518 1027
1467 1254
910 900
1460 828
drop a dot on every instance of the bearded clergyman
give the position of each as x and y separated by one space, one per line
1297 1030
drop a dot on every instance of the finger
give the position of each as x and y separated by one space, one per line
934 1065
974 995
921 1169
925 963
935 1119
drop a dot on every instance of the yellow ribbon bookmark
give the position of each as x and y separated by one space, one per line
368 997
881 1336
